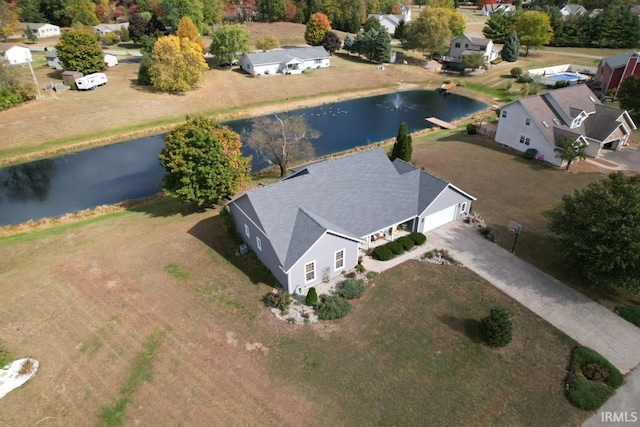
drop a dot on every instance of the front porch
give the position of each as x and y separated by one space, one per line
386 235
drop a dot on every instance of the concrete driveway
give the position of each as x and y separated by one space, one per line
586 321
625 405
627 158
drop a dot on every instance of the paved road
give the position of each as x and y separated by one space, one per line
586 321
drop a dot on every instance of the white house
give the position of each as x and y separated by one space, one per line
14 54
490 9
540 122
391 22
572 10
103 29
40 29
467 44
285 61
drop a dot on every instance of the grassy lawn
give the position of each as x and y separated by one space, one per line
147 316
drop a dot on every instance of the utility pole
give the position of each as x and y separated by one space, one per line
35 80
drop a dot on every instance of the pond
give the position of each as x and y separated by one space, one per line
130 170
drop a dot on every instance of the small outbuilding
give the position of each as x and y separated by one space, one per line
110 60
14 54
69 77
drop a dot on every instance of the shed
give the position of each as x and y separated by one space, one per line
14 54
69 77
110 60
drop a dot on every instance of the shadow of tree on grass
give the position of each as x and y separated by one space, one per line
469 327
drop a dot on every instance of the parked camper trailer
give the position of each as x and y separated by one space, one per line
91 81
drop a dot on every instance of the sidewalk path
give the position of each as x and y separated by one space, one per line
626 402
584 320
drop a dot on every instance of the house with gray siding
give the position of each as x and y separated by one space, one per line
541 121
285 61
315 223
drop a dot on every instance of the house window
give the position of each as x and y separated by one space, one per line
463 207
457 44
525 140
318 61
310 272
339 260
258 243
527 121
246 230
466 45
504 114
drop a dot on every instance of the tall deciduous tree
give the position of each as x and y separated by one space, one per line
331 42
403 147
178 64
569 150
474 60
175 10
434 29
137 27
597 231
229 41
82 12
499 26
202 162
282 140
9 22
79 50
629 94
271 10
187 29
511 49
534 29
316 28
30 34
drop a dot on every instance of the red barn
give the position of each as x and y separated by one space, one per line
613 70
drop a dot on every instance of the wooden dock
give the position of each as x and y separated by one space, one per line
436 121
447 86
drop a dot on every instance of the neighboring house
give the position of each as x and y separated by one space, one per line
572 10
103 29
41 30
391 22
540 122
14 54
614 69
317 222
467 44
285 61
490 9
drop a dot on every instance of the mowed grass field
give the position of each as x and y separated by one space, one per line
148 317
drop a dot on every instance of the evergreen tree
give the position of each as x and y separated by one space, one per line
348 43
312 297
30 34
403 147
399 32
373 23
29 11
175 10
271 10
511 49
496 329
144 76
382 46
499 26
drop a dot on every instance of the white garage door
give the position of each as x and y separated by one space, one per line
439 218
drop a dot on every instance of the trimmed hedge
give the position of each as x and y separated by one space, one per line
630 314
333 307
395 247
351 289
382 253
312 297
585 393
406 242
419 238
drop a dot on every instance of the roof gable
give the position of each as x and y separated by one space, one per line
278 56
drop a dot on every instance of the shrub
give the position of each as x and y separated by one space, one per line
471 129
561 83
371 275
395 247
531 154
485 231
109 39
406 242
496 328
312 297
630 314
516 72
27 367
333 307
592 379
524 79
382 253
280 299
351 288
360 268
419 238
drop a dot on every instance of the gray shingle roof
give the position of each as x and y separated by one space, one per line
353 196
620 60
278 56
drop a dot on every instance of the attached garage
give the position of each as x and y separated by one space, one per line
439 218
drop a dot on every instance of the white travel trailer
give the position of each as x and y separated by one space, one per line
91 81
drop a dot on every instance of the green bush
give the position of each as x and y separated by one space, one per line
360 268
109 39
524 79
471 129
280 299
406 242
9 97
516 72
630 314
312 297
531 154
351 288
333 307
590 394
5 357
561 83
382 253
496 329
419 238
395 247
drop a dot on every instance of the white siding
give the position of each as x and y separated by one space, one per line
438 219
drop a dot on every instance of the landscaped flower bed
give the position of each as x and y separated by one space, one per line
399 246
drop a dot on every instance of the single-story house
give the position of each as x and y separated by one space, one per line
614 69
541 121
285 61
317 222
391 22
103 29
467 44
40 29
490 9
572 10
14 54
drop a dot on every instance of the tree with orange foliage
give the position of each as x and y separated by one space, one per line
318 25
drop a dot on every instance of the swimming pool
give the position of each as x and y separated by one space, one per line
569 77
